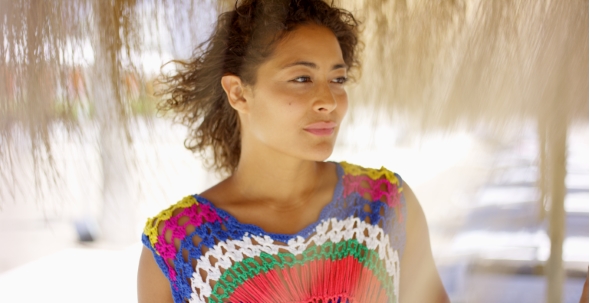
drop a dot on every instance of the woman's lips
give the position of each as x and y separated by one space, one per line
321 128
321 131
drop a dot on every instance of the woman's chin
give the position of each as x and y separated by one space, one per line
320 152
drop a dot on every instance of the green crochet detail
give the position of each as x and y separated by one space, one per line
240 272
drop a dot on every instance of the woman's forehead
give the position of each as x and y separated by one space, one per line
313 45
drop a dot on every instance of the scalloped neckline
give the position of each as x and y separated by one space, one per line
323 213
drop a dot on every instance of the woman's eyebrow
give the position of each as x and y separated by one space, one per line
313 65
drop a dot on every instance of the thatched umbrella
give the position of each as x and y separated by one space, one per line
468 62
445 63
71 64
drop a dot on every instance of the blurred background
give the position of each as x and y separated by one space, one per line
480 105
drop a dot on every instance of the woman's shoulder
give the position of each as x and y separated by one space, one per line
372 184
173 238
176 223
372 173
377 197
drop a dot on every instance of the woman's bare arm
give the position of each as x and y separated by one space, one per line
419 280
584 297
152 285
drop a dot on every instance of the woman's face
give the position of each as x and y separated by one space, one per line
299 100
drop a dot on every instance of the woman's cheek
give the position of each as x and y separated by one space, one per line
294 98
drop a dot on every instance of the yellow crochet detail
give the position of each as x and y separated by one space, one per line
151 227
372 173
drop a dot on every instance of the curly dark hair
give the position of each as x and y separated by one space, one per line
243 38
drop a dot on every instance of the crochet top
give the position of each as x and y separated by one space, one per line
350 254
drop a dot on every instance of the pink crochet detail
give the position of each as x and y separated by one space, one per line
197 215
358 184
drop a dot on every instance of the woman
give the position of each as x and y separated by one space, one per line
266 96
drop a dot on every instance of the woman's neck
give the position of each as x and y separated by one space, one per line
279 181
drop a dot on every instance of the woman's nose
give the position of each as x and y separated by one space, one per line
325 100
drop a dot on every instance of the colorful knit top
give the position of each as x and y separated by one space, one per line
350 254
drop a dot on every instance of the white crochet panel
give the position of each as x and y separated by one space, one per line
216 260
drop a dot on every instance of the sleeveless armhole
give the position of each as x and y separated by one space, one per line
384 190
173 238
398 232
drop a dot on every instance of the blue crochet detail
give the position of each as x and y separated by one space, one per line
335 209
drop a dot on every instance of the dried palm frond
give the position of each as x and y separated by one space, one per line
453 62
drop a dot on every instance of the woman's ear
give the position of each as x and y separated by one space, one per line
234 89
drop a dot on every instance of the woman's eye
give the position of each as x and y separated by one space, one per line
303 79
340 80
